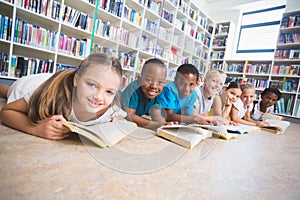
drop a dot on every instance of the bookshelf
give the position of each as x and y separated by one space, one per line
222 36
285 72
134 30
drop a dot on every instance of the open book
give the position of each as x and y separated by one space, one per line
184 135
230 131
103 135
276 126
266 116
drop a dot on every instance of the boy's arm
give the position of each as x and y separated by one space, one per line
15 115
140 121
188 119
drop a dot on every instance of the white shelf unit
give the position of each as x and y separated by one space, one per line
286 64
223 35
174 31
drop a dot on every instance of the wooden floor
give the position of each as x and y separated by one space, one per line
143 166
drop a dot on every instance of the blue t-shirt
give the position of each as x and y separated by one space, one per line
170 99
133 97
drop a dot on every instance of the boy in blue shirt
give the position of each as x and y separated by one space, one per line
178 97
140 96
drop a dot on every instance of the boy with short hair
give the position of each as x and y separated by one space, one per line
140 96
178 97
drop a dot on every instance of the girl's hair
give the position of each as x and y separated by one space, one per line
55 95
212 72
247 86
153 61
233 84
187 69
271 90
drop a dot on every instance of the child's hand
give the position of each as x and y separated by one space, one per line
117 117
233 123
201 120
262 123
171 123
52 128
227 102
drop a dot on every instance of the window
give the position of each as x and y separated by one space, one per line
259 30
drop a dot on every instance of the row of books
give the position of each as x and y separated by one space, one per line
222 29
219 42
60 67
129 60
151 26
49 8
147 44
217 54
257 83
167 16
165 34
286 70
284 85
174 55
113 6
296 112
233 67
29 34
73 46
180 24
287 54
76 18
258 68
132 16
162 52
200 36
290 21
154 6
4 64
23 66
217 65
285 106
289 38
5 27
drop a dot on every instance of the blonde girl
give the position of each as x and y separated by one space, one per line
87 95
240 112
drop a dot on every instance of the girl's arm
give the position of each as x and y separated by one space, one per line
234 117
15 115
217 106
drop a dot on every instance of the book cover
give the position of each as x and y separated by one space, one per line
103 135
184 135
276 126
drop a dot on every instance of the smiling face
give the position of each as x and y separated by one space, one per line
269 99
186 84
248 96
214 83
96 90
152 80
233 94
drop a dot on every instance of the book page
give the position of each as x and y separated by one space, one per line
106 134
241 129
279 124
183 135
